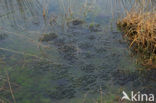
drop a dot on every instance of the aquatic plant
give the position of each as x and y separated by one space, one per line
70 47
94 27
77 22
139 27
48 37
3 36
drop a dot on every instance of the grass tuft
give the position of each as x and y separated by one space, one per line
140 30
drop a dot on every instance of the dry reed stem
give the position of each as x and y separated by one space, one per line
140 29
11 91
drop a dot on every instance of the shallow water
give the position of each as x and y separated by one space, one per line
86 57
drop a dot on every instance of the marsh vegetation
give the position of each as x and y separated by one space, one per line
139 27
72 51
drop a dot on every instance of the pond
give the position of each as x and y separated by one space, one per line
57 51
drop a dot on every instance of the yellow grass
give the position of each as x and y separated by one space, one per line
140 29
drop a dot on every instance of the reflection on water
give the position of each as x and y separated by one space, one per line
15 10
60 51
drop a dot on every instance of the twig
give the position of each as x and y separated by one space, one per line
11 91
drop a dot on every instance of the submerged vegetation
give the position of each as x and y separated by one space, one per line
95 27
77 22
48 37
3 36
68 51
139 27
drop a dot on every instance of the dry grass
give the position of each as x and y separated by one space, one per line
140 29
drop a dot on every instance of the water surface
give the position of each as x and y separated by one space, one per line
84 59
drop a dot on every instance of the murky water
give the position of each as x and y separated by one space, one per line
85 56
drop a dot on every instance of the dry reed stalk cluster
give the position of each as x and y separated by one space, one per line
140 30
